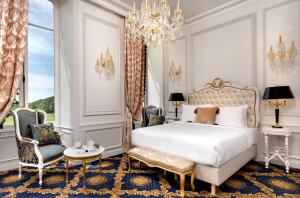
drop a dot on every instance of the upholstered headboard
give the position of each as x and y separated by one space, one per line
222 93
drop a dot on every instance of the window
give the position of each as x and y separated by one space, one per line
39 72
41 62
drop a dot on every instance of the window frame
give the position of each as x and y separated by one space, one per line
23 91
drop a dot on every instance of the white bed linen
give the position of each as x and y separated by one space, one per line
204 144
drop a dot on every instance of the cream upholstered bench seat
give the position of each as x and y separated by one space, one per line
167 162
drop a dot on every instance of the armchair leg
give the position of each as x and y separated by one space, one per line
20 170
40 176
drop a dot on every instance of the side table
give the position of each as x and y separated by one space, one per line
281 152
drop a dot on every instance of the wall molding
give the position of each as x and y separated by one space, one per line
7 134
100 113
265 62
216 11
253 18
185 37
8 160
100 130
101 123
116 6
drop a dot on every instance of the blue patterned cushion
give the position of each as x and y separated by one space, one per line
51 152
25 119
156 120
44 133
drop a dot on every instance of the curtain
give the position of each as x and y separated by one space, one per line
134 49
13 37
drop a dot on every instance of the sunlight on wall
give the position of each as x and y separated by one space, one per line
155 77
153 88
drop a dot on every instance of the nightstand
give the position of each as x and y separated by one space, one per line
281 152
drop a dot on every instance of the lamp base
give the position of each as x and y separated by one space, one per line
277 126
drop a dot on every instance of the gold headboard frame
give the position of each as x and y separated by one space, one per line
223 93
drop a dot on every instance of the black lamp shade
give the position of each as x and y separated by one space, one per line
279 92
176 97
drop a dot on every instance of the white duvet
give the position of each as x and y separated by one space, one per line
204 144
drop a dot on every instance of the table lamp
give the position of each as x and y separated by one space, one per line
276 97
176 98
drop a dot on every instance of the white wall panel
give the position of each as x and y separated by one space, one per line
101 95
8 152
108 136
177 53
101 99
222 51
284 20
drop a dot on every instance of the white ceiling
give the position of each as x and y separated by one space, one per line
190 8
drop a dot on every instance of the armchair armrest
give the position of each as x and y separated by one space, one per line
28 140
59 137
27 150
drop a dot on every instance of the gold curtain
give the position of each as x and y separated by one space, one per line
13 37
134 83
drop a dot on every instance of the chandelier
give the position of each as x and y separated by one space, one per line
154 23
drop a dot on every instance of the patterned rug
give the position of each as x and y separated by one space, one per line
253 180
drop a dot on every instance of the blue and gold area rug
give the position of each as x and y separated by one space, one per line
253 180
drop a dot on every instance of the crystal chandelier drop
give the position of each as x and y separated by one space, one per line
154 23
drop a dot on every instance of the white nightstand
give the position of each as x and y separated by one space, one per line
281 152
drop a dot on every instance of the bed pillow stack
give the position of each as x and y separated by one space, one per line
235 116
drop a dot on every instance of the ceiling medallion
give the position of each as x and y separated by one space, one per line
154 23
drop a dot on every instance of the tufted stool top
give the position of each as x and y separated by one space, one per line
164 160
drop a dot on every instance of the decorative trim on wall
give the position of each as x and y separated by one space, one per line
252 18
8 160
115 6
217 10
101 123
7 134
8 164
102 129
183 67
265 59
118 68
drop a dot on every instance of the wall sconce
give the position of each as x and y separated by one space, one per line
105 64
282 57
175 73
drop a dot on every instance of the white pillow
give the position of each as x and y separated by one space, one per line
188 114
232 116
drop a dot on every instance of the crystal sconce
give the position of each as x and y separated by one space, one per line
105 64
282 56
175 73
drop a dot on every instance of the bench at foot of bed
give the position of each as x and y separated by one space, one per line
166 162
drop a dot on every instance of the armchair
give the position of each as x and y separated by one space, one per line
150 110
29 151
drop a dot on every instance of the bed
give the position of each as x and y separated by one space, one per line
218 151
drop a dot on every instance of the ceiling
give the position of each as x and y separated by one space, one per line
190 8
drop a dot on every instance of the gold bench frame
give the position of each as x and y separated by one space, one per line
182 175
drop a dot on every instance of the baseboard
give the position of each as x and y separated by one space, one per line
8 164
113 152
